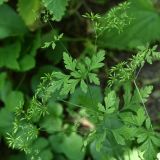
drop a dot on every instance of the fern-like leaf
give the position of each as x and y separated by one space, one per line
69 62
96 60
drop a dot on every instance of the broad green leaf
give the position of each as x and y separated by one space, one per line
14 100
40 143
6 120
55 109
56 7
9 55
56 141
51 124
10 23
73 152
27 62
143 28
5 90
46 154
69 145
28 10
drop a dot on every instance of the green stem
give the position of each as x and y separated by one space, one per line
142 102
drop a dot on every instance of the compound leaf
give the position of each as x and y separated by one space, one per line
96 61
149 142
93 78
69 63
83 86
145 92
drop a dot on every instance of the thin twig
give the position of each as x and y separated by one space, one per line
138 72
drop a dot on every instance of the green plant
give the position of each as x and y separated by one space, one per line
102 112
125 124
142 12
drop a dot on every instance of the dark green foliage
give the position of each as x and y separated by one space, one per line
10 23
84 107
143 28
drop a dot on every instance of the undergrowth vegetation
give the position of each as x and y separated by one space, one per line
69 79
